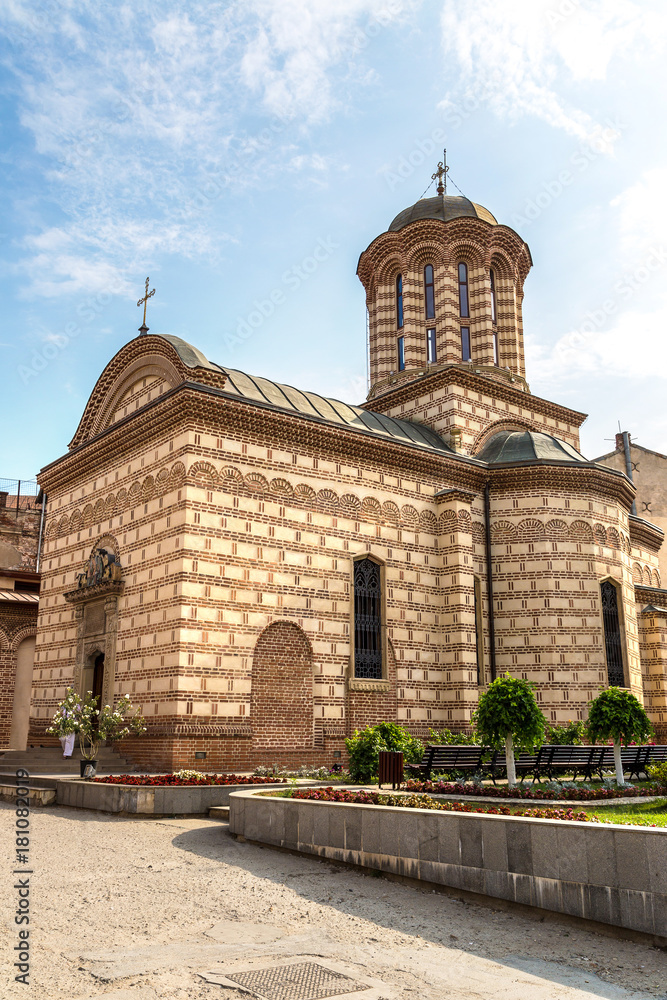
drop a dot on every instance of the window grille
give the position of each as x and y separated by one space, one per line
612 634
367 620
399 301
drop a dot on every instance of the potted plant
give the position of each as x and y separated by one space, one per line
94 726
509 715
617 715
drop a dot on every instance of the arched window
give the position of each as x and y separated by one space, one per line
492 282
400 350
613 642
494 317
399 301
367 619
479 631
465 344
464 308
431 353
429 294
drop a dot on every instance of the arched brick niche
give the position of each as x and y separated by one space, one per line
282 689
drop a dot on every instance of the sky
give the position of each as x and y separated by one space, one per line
214 146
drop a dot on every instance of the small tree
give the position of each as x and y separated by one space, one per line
508 715
364 748
617 715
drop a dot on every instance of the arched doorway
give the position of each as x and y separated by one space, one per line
25 655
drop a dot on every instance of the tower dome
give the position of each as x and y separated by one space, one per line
442 207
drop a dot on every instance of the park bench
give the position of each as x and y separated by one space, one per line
446 758
657 755
633 759
524 764
570 759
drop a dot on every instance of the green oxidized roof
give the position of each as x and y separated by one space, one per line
509 447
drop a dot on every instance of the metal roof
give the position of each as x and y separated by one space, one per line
332 411
443 207
18 598
508 447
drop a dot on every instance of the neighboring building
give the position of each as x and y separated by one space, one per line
264 570
20 522
649 475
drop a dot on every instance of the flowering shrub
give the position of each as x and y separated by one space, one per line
426 802
305 771
94 726
566 791
187 778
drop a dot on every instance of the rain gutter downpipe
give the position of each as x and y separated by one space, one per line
628 465
489 583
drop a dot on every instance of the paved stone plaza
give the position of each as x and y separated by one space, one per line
127 908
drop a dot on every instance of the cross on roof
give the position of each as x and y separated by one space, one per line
441 174
143 329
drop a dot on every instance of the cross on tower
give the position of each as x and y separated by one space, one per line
441 174
143 329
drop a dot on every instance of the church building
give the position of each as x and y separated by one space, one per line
264 570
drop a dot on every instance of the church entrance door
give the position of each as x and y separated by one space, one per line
98 679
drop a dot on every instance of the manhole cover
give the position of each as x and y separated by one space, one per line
302 981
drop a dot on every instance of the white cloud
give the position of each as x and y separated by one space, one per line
139 114
513 54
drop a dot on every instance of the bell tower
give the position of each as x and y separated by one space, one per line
444 291
444 286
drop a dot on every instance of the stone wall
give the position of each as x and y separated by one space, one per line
610 874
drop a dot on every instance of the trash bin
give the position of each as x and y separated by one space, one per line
390 768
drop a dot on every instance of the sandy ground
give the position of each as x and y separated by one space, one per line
126 908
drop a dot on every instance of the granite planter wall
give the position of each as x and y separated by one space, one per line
612 874
146 800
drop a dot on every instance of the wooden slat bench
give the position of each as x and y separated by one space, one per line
445 758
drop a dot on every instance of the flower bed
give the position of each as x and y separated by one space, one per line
581 793
426 802
176 780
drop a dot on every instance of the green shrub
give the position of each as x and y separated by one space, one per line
448 738
364 748
573 734
658 774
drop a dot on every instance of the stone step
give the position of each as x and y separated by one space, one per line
40 795
219 812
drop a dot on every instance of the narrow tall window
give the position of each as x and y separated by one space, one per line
496 355
479 632
431 355
399 301
429 294
492 281
400 347
613 642
464 309
367 620
465 344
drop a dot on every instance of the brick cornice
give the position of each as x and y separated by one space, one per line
189 402
644 533
468 379
573 476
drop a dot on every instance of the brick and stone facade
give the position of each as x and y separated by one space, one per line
234 510
20 520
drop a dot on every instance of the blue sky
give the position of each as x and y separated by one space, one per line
214 146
